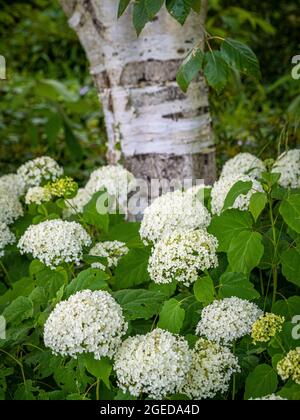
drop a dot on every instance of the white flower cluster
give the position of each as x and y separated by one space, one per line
243 164
182 255
6 238
271 397
13 184
88 322
35 172
112 250
154 364
222 187
37 195
54 242
211 370
10 207
288 165
176 210
227 320
114 178
76 205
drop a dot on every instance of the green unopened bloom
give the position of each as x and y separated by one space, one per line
63 188
289 367
266 327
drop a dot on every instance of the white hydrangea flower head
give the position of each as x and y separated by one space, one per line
54 242
154 364
10 207
37 195
13 184
39 170
227 320
76 205
114 178
222 187
271 397
182 256
211 370
243 164
112 250
288 165
172 211
88 322
6 238
98 265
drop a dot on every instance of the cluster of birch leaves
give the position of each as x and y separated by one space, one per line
220 55
259 253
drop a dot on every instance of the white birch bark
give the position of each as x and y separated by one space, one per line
163 132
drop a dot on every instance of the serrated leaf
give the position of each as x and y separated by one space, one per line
287 307
291 391
140 15
190 68
179 9
123 4
240 57
92 216
257 204
239 188
237 284
290 211
261 382
139 303
153 7
171 317
204 290
215 70
19 310
245 251
228 225
132 269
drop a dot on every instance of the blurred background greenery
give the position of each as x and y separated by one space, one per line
48 104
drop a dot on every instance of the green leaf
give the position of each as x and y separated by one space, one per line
237 284
245 251
123 4
99 368
53 127
127 233
262 381
153 7
72 143
19 310
204 290
140 15
291 391
53 89
290 265
239 188
171 316
257 204
139 303
240 57
287 307
290 211
179 9
228 225
92 216
92 279
132 269
270 178
190 68
215 70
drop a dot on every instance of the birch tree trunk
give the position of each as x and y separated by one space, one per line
163 133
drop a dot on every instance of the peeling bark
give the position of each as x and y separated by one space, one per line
162 131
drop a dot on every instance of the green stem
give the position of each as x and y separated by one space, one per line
274 265
8 282
234 378
98 390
